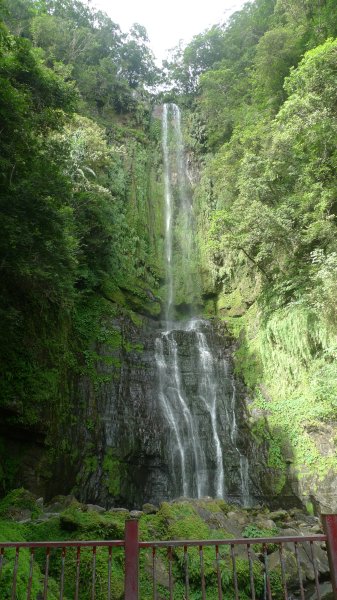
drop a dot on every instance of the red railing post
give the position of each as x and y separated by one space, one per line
330 530
131 560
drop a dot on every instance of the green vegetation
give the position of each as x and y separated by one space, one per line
261 122
114 472
254 531
181 520
80 207
14 532
17 500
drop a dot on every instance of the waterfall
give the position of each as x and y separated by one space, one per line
196 391
168 214
177 451
187 455
208 394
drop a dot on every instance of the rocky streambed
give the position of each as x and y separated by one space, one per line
23 517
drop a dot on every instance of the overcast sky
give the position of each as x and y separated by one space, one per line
167 23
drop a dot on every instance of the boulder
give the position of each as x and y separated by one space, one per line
278 515
59 503
325 590
95 508
265 523
21 515
136 514
162 574
150 509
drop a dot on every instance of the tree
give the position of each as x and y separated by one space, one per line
138 65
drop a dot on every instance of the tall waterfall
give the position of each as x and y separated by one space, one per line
197 393
168 214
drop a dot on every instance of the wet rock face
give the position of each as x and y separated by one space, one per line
133 440
132 424
320 489
126 440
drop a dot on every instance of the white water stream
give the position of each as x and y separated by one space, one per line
208 394
191 391
168 214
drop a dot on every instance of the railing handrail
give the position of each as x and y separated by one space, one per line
65 544
167 543
235 541
132 546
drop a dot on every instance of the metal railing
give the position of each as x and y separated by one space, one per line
28 570
55 557
225 554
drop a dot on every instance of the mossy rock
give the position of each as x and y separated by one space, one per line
232 304
117 296
17 501
210 307
114 472
150 509
60 503
142 301
49 529
213 505
92 524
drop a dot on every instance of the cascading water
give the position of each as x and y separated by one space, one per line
168 214
208 394
187 452
197 394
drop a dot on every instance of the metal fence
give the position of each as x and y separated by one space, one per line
38 570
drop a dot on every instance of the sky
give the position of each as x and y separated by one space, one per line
168 23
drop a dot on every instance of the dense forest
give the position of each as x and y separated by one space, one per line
82 223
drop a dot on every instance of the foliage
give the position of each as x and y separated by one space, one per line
254 531
78 219
13 532
114 472
263 131
17 500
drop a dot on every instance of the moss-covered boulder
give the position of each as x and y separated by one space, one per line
19 505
